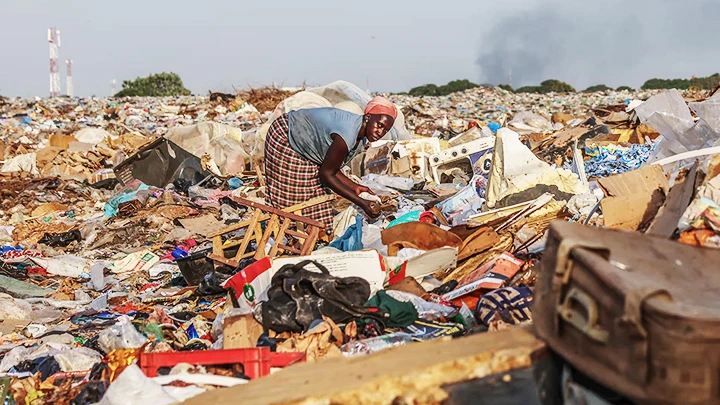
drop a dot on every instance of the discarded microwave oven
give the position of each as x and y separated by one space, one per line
475 157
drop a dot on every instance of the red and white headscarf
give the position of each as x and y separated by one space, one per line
381 105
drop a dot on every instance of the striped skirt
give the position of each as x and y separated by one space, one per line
291 179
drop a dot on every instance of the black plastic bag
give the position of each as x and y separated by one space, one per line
61 239
297 297
91 393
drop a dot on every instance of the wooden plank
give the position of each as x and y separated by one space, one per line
286 248
289 210
258 233
297 235
279 212
272 224
678 199
217 245
309 244
279 237
246 255
228 229
222 259
228 245
297 208
417 373
249 233
261 178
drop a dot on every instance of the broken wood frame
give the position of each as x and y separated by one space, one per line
278 226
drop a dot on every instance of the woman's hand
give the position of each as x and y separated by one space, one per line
371 208
360 189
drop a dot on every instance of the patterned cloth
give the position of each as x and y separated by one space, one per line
290 179
511 303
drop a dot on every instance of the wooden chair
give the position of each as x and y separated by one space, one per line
279 224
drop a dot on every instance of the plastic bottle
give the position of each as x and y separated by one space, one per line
376 344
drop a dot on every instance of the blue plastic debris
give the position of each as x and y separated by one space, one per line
494 126
607 161
352 238
234 183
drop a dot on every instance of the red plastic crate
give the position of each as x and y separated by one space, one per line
256 361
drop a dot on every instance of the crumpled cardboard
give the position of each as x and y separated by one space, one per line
320 342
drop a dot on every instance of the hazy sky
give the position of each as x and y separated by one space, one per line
391 45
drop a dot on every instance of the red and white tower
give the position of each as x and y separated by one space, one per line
68 79
54 40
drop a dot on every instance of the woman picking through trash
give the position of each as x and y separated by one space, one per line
305 150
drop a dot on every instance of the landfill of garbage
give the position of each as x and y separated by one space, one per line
140 260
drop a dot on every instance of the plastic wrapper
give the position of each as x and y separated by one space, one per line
78 359
526 122
670 116
376 344
66 265
46 315
708 110
462 204
218 325
122 335
426 310
20 353
382 183
707 197
372 238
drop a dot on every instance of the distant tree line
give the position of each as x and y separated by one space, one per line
444 90
557 86
156 85
548 86
703 83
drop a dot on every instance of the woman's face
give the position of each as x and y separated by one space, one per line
377 126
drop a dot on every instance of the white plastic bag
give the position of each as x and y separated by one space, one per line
339 92
11 308
122 335
133 387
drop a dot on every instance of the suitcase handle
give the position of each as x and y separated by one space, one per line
587 325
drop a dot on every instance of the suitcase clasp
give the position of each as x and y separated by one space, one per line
586 324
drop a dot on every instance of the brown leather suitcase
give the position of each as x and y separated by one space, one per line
638 314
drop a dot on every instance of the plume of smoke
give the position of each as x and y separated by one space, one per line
613 42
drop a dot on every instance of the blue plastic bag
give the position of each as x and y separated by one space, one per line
352 238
